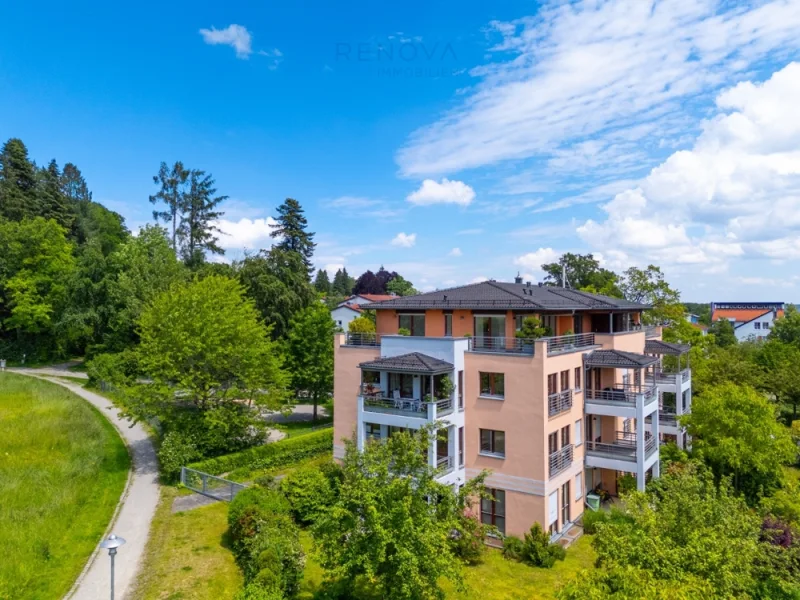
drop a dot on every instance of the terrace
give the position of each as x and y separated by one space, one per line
622 448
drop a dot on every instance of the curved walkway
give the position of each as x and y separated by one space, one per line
133 516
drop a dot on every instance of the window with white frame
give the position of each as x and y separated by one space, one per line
579 486
578 435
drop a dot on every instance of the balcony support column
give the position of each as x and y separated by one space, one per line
640 455
656 418
360 432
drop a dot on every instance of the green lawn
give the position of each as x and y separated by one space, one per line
295 428
62 470
188 556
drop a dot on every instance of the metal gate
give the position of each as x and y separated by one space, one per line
210 485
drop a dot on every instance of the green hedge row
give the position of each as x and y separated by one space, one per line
271 456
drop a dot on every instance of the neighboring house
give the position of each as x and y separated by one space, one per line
349 309
692 318
749 319
551 419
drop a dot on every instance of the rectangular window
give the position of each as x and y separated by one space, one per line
757 325
566 501
460 446
577 378
552 511
766 325
552 384
493 384
493 442
493 509
373 377
395 429
637 377
549 323
627 426
373 431
578 438
461 390
552 443
490 327
579 486
565 436
415 324
448 325
564 380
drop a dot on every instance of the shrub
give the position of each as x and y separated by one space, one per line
266 481
308 492
334 474
121 368
626 484
591 518
177 450
254 504
537 549
403 331
361 325
467 539
254 591
512 547
271 456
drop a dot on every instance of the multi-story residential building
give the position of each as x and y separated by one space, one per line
551 418
751 320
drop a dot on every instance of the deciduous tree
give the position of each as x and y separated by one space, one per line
583 271
648 286
723 332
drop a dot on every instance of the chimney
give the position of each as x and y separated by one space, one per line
527 284
540 284
517 279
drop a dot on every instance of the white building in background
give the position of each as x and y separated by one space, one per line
350 308
751 320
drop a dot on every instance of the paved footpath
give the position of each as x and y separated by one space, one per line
133 518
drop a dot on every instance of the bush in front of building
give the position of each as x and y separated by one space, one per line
467 539
591 518
512 548
537 550
309 493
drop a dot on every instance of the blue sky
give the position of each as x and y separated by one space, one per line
447 141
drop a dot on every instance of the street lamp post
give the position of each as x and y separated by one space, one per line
111 544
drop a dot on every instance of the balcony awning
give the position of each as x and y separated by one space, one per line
618 359
414 362
658 347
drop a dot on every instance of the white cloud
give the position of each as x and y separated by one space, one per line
252 234
479 279
444 192
532 262
455 252
735 193
582 80
404 240
235 36
331 268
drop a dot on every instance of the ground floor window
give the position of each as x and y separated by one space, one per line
373 431
493 510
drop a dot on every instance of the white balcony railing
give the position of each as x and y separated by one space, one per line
445 464
502 345
560 460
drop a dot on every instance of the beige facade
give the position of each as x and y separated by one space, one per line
533 394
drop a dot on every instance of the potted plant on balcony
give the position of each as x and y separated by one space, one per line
445 388
531 330
403 331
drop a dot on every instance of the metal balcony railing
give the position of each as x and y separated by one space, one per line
362 339
670 419
622 394
561 460
502 345
569 343
445 464
623 447
559 402
651 331
405 406
667 376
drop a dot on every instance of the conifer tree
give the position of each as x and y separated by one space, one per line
291 228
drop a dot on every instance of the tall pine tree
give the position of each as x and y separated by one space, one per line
18 193
173 183
291 228
322 283
73 185
53 204
197 231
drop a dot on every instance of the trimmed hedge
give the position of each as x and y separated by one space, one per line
270 456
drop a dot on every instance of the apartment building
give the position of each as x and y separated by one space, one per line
751 320
551 418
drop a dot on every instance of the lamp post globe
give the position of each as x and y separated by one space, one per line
111 543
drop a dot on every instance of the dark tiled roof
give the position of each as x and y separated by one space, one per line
618 358
498 295
414 362
659 347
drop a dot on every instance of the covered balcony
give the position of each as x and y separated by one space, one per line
412 385
622 447
605 394
673 372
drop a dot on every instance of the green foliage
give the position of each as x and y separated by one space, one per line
172 192
787 328
583 273
531 329
723 333
626 483
342 284
271 456
513 547
400 286
592 518
467 540
198 230
361 325
277 281
206 340
18 193
309 493
177 450
266 541
322 283
385 526
309 353
648 286
670 453
255 591
537 550
444 387
290 229
734 430
632 583
403 331
779 360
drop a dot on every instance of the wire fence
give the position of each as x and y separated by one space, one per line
210 485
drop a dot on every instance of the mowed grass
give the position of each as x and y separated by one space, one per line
188 555
63 467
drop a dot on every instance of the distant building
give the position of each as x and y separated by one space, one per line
749 319
350 308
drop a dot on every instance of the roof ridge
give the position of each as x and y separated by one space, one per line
513 293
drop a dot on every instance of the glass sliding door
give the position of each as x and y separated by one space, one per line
490 332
